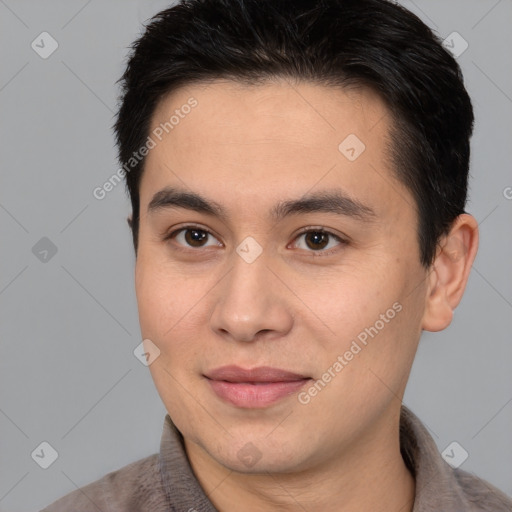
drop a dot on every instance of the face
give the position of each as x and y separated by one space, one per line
286 305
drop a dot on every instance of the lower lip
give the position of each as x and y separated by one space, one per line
243 394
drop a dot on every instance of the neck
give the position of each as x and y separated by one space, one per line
371 475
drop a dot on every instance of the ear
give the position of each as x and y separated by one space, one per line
130 222
449 272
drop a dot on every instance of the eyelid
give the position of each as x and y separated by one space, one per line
322 229
191 225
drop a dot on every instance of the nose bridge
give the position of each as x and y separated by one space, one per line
245 297
245 283
249 300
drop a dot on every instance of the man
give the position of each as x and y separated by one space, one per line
298 176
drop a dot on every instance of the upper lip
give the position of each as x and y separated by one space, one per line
261 374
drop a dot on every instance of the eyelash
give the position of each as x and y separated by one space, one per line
309 229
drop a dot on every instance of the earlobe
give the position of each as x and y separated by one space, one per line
449 272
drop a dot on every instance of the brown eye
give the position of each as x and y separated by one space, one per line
194 237
317 240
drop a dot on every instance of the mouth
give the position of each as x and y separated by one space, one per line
254 388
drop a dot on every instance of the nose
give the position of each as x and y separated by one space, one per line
251 303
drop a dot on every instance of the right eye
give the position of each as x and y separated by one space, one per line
192 237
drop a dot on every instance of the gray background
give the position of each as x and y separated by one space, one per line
69 325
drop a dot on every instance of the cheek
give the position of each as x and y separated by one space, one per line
166 315
161 293
171 310
386 341
345 300
155 302
373 321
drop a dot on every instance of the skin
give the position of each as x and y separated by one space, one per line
247 148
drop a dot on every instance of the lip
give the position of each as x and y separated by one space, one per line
256 387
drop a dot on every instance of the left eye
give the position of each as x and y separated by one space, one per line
317 240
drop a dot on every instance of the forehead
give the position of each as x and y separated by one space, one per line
265 111
263 140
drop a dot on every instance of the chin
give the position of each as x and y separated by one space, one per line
261 462
251 454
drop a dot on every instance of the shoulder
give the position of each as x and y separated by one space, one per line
439 486
135 487
480 494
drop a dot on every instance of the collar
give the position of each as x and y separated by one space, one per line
436 483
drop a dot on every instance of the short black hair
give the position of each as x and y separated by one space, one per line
341 43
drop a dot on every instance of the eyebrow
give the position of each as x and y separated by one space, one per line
328 201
